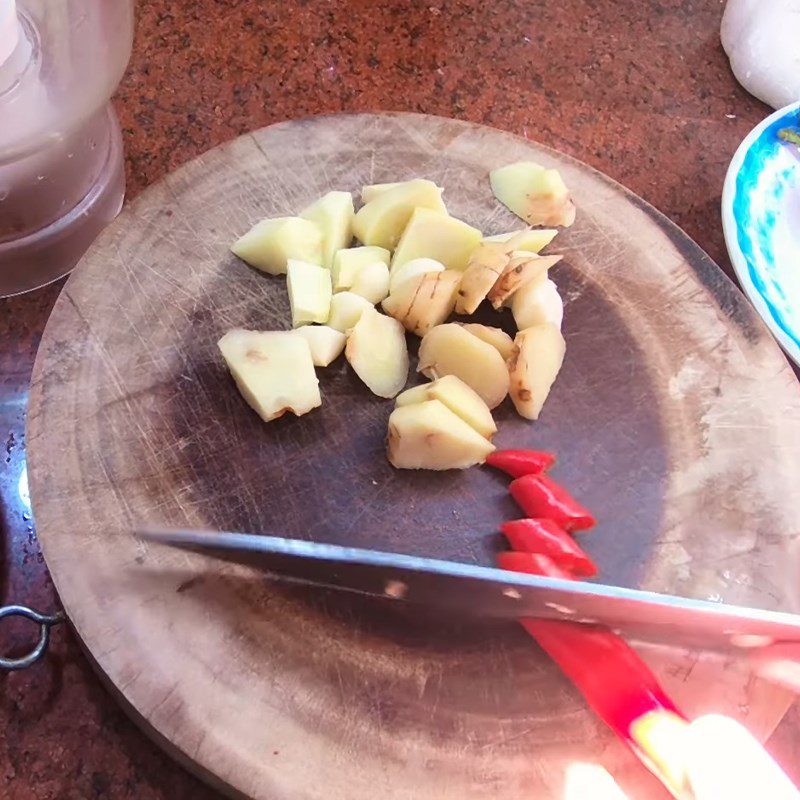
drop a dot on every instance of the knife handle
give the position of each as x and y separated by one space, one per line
723 759
713 757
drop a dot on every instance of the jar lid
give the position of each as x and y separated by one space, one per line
9 28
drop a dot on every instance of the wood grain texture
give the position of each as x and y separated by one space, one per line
676 419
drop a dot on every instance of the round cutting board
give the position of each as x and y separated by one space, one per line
675 417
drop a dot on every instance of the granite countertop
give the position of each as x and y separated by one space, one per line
646 96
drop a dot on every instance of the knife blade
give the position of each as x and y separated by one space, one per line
485 591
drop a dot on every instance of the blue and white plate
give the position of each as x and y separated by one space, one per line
761 220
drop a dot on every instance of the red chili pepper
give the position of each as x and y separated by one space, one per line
546 537
616 683
521 462
535 563
540 496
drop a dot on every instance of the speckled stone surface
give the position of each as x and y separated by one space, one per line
642 93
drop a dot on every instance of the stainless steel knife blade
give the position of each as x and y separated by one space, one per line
484 591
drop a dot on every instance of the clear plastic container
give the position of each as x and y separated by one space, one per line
61 162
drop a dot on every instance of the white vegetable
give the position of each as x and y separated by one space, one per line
532 239
535 194
538 355
425 301
381 221
497 338
372 282
451 350
430 234
326 344
309 292
348 262
761 40
411 269
273 370
269 244
458 397
430 436
334 213
486 264
370 192
346 310
523 268
536 303
376 349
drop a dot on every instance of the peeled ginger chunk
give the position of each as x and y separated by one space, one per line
376 349
537 302
533 367
429 435
412 269
326 343
372 282
309 292
430 234
273 370
458 397
348 262
523 268
486 264
533 240
346 310
381 221
497 338
452 350
269 244
334 213
535 194
424 302
371 191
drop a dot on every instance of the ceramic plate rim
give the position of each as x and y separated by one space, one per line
729 228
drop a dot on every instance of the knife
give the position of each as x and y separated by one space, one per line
637 615
641 715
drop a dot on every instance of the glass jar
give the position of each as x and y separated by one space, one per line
61 163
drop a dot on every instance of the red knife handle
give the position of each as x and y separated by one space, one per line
615 682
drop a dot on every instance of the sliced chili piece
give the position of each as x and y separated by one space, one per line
534 563
548 538
521 462
540 496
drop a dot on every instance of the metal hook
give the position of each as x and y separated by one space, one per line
44 621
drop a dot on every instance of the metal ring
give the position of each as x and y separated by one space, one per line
44 621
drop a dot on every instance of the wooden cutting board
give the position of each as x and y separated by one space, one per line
676 418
